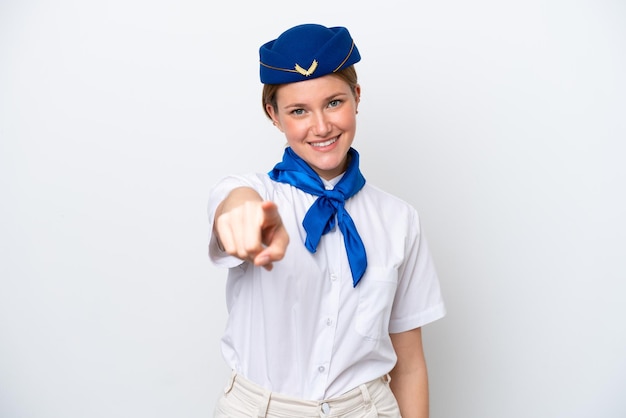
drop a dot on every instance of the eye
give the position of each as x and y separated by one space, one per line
297 112
334 103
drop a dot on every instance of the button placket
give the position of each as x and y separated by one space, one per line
327 322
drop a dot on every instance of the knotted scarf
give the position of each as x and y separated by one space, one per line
320 218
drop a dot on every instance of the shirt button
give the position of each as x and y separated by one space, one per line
321 369
329 322
333 277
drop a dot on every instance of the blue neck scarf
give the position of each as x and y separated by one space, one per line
320 218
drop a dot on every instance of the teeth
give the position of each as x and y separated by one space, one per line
324 144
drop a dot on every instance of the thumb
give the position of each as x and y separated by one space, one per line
274 251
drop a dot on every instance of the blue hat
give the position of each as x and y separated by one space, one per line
307 51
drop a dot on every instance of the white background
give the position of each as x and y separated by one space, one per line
504 123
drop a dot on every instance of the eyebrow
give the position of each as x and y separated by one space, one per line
332 97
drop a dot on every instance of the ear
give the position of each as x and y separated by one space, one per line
357 96
274 116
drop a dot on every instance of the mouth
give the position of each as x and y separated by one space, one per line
324 143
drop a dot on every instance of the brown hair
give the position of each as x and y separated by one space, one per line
269 90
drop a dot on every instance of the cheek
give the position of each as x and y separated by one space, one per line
294 129
347 121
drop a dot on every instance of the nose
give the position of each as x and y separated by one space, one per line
321 125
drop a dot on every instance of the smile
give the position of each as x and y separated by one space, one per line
324 144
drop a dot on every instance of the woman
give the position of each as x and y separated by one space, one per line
330 278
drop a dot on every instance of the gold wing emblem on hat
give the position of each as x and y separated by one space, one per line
308 72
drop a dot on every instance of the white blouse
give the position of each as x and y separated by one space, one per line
302 329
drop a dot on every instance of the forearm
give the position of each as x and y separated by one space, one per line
409 377
237 197
410 387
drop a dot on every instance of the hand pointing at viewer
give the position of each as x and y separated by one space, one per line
250 228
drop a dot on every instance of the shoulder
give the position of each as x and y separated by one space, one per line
258 181
379 198
374 190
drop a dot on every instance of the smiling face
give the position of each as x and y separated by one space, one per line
318 118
